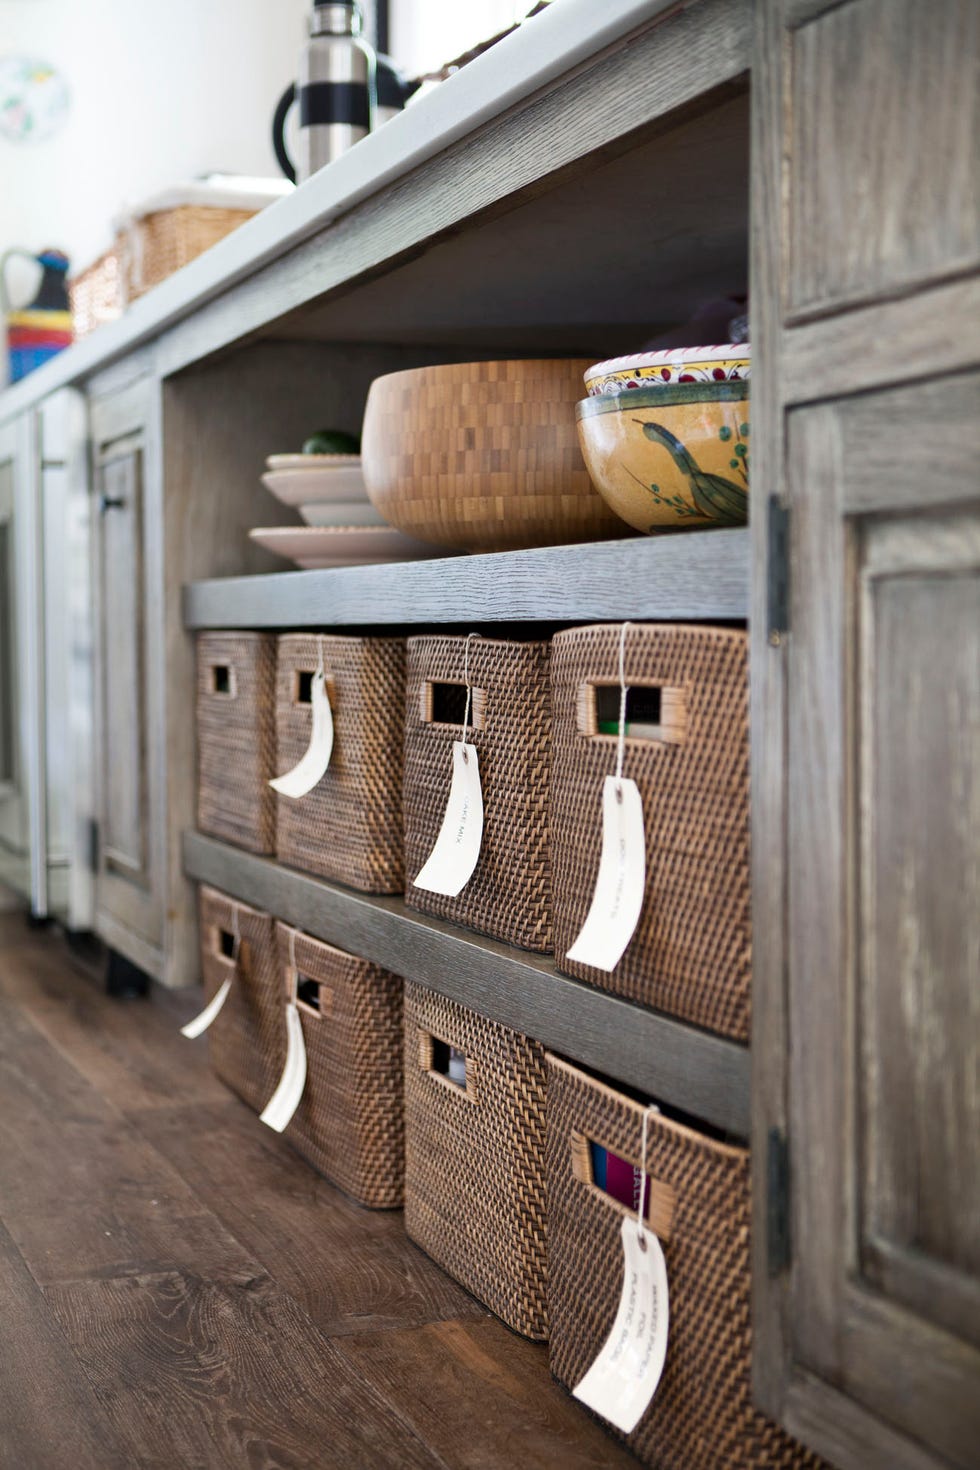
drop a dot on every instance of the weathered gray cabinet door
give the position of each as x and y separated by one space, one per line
129 774
22 821
13 803
866 419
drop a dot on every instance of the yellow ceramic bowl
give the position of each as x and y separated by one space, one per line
670 458
729 362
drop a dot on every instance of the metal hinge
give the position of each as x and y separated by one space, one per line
778 1242
92 844
777 565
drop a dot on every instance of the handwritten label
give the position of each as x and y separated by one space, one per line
200 1023
452 861
311 769
286 1098
623 1379
618 898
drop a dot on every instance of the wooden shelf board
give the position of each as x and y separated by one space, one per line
672 1063
698 575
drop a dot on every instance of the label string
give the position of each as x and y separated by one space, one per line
641 1228
469 691
621 743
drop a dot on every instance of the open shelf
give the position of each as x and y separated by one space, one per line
675 1064
698 575
583 220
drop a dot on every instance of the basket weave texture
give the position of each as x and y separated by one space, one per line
349 827
160 243
701 1417
150 250
474 1158
691 953
236 738
509 894
96 294
350 1123
247 1039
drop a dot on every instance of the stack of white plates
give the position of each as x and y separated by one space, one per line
326 489
342 526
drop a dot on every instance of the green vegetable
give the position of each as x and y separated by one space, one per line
332 441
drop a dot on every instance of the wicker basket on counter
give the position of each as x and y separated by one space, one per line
474 1156
349 827
96 294
247 1039
690 955
701 1416
350 1123
509 894
146 249
236 737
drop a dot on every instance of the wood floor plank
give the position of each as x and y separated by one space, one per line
130 1050
83 1193
229 1373
49 1415
483 1398
196 1297
353 1270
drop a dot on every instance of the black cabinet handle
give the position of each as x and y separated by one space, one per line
111 502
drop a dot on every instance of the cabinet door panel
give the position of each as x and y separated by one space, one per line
16 704
884 899
885 111
8 768
123 710
920 964
128 901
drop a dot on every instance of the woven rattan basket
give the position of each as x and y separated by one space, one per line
155 245
96 294
690 955
509 894
247 1039
350 1123
236 734
701 1417
148 250
474 1157
349 827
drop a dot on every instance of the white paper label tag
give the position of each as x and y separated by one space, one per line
457 851
286 1098
624 1377
311 769
200 1023
618 898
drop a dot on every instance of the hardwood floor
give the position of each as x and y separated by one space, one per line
178 1289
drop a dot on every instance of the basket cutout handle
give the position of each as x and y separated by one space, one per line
312 996
223 680
653 711
440 1061
443 702
303 687
661 1197
226 945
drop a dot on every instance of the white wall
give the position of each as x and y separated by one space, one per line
164 91
160 92
425 34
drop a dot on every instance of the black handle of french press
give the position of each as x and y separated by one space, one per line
279 132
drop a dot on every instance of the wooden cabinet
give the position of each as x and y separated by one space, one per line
14 829
23 863
862 603
883 192
129 703
867 680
